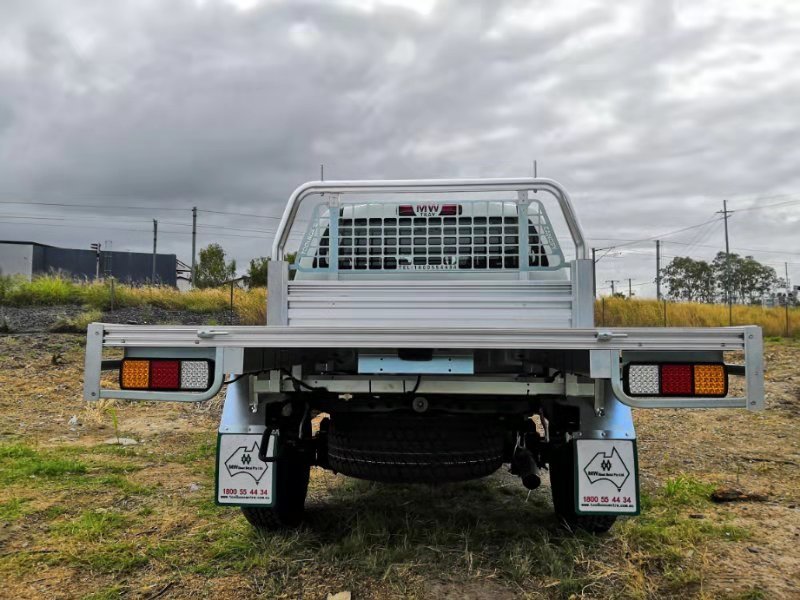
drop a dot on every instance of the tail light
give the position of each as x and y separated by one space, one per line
674 379
165 374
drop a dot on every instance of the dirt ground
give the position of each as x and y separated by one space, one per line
115 500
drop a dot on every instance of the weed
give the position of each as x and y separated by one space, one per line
686 491
12 510
77 324
92 524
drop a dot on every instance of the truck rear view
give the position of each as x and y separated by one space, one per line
435 330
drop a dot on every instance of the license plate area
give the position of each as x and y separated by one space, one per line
606 477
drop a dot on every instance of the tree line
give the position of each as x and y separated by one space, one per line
685 278
701 281
214 269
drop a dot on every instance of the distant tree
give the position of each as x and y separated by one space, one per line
257 272
748 279
212 270
690 280
259 267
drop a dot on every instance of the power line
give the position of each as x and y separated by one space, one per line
251 237
768 205
104 206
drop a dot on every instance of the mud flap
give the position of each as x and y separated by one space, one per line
243 479
606 477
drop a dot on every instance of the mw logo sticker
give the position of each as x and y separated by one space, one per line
246 462
610 467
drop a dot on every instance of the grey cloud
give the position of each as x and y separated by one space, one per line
200 103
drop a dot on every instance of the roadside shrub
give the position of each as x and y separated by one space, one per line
77 324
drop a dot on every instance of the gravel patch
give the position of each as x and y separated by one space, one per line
42 318
36 318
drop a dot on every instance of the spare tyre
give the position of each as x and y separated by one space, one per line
411 448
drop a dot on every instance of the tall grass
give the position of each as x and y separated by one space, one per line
55 290
622 312
250 305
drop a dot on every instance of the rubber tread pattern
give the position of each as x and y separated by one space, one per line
400 448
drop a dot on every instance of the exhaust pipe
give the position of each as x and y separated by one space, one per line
524 465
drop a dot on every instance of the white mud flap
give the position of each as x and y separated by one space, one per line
606 477
243 479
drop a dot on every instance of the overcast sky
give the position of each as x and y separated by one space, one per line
650 113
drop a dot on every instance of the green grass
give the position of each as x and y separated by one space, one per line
687 491
19 462
92 524
12 509
66 468
357 533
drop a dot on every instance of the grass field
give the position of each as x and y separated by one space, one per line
621 312
97 296
250 305
82 516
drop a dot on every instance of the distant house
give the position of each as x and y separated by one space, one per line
30 259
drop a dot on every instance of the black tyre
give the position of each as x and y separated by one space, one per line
411 448
562 485
291 486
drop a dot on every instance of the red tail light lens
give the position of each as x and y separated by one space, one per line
676 380
165 374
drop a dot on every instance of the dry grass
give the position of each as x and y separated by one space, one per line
80 518
621 312
98 296
250 305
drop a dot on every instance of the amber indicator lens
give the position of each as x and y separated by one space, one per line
135 375
710 380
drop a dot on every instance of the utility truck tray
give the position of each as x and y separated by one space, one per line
224 347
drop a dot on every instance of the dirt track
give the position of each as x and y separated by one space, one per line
80 517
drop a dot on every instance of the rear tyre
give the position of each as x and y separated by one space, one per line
406 448
562 485
291 486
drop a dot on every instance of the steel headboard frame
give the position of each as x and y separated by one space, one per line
410 186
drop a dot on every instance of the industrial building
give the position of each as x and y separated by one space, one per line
30 259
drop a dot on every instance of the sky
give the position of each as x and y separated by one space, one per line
650 113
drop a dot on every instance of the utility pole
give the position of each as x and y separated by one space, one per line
786 303
630 288
658 270
96 248
612 282
322 172
725 212
194 242
594 272
155 246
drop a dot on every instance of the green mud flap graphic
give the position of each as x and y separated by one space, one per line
242 478
606 477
